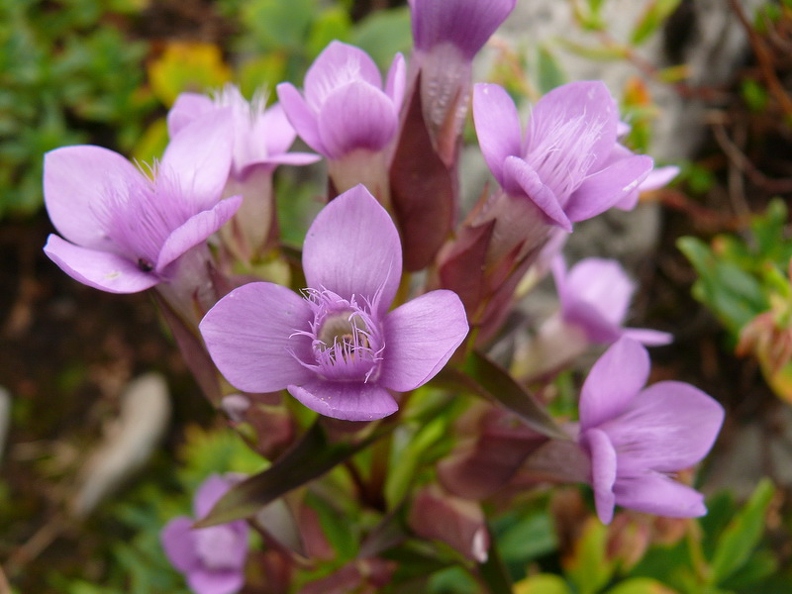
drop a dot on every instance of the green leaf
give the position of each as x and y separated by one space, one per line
277 24
600 53
754 94
544 583
405 462
641 585
332 24
310 458
653 17
339 529
589 568
384 33
760 565
549 72
743 533
488 380
525 537
734 295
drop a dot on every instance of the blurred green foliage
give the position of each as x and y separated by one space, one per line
70 72
737 274
67 75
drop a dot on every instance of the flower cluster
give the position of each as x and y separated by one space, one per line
386 320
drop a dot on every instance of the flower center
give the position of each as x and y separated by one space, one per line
343 334
346 338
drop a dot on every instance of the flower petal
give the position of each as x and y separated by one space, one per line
250 335
282 159
420 337
206 581
348 401
196 230
301 116
520 178
355 116
602 284
657 178
655 493
187 108
353 248
588 101
101 270
497 126
588 318
606 187
177 540
272 128
396 81
648 337
209 493
78 182
468 25
668 427
338 64
614 380
199 157
603 472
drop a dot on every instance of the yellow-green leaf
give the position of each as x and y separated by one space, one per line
544 583
641 586
187 66
588 566
654 15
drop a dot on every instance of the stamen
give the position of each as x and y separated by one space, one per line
346 338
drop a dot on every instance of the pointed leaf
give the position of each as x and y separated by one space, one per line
641 585
650 21
743 533
422 188
588 567
310 458
488 380
543 583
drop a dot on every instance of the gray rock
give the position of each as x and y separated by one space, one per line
128 443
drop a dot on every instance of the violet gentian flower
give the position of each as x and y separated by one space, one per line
262 136
447 35
595 296
127 232
464 24
261 139
637 437
337 348
568 163
657 178
344 107
212 559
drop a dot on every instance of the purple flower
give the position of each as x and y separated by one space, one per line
337 348
344 107
262 136
261 139
568 163
126 231
657 178
465 24
595 295
638 438
213 558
